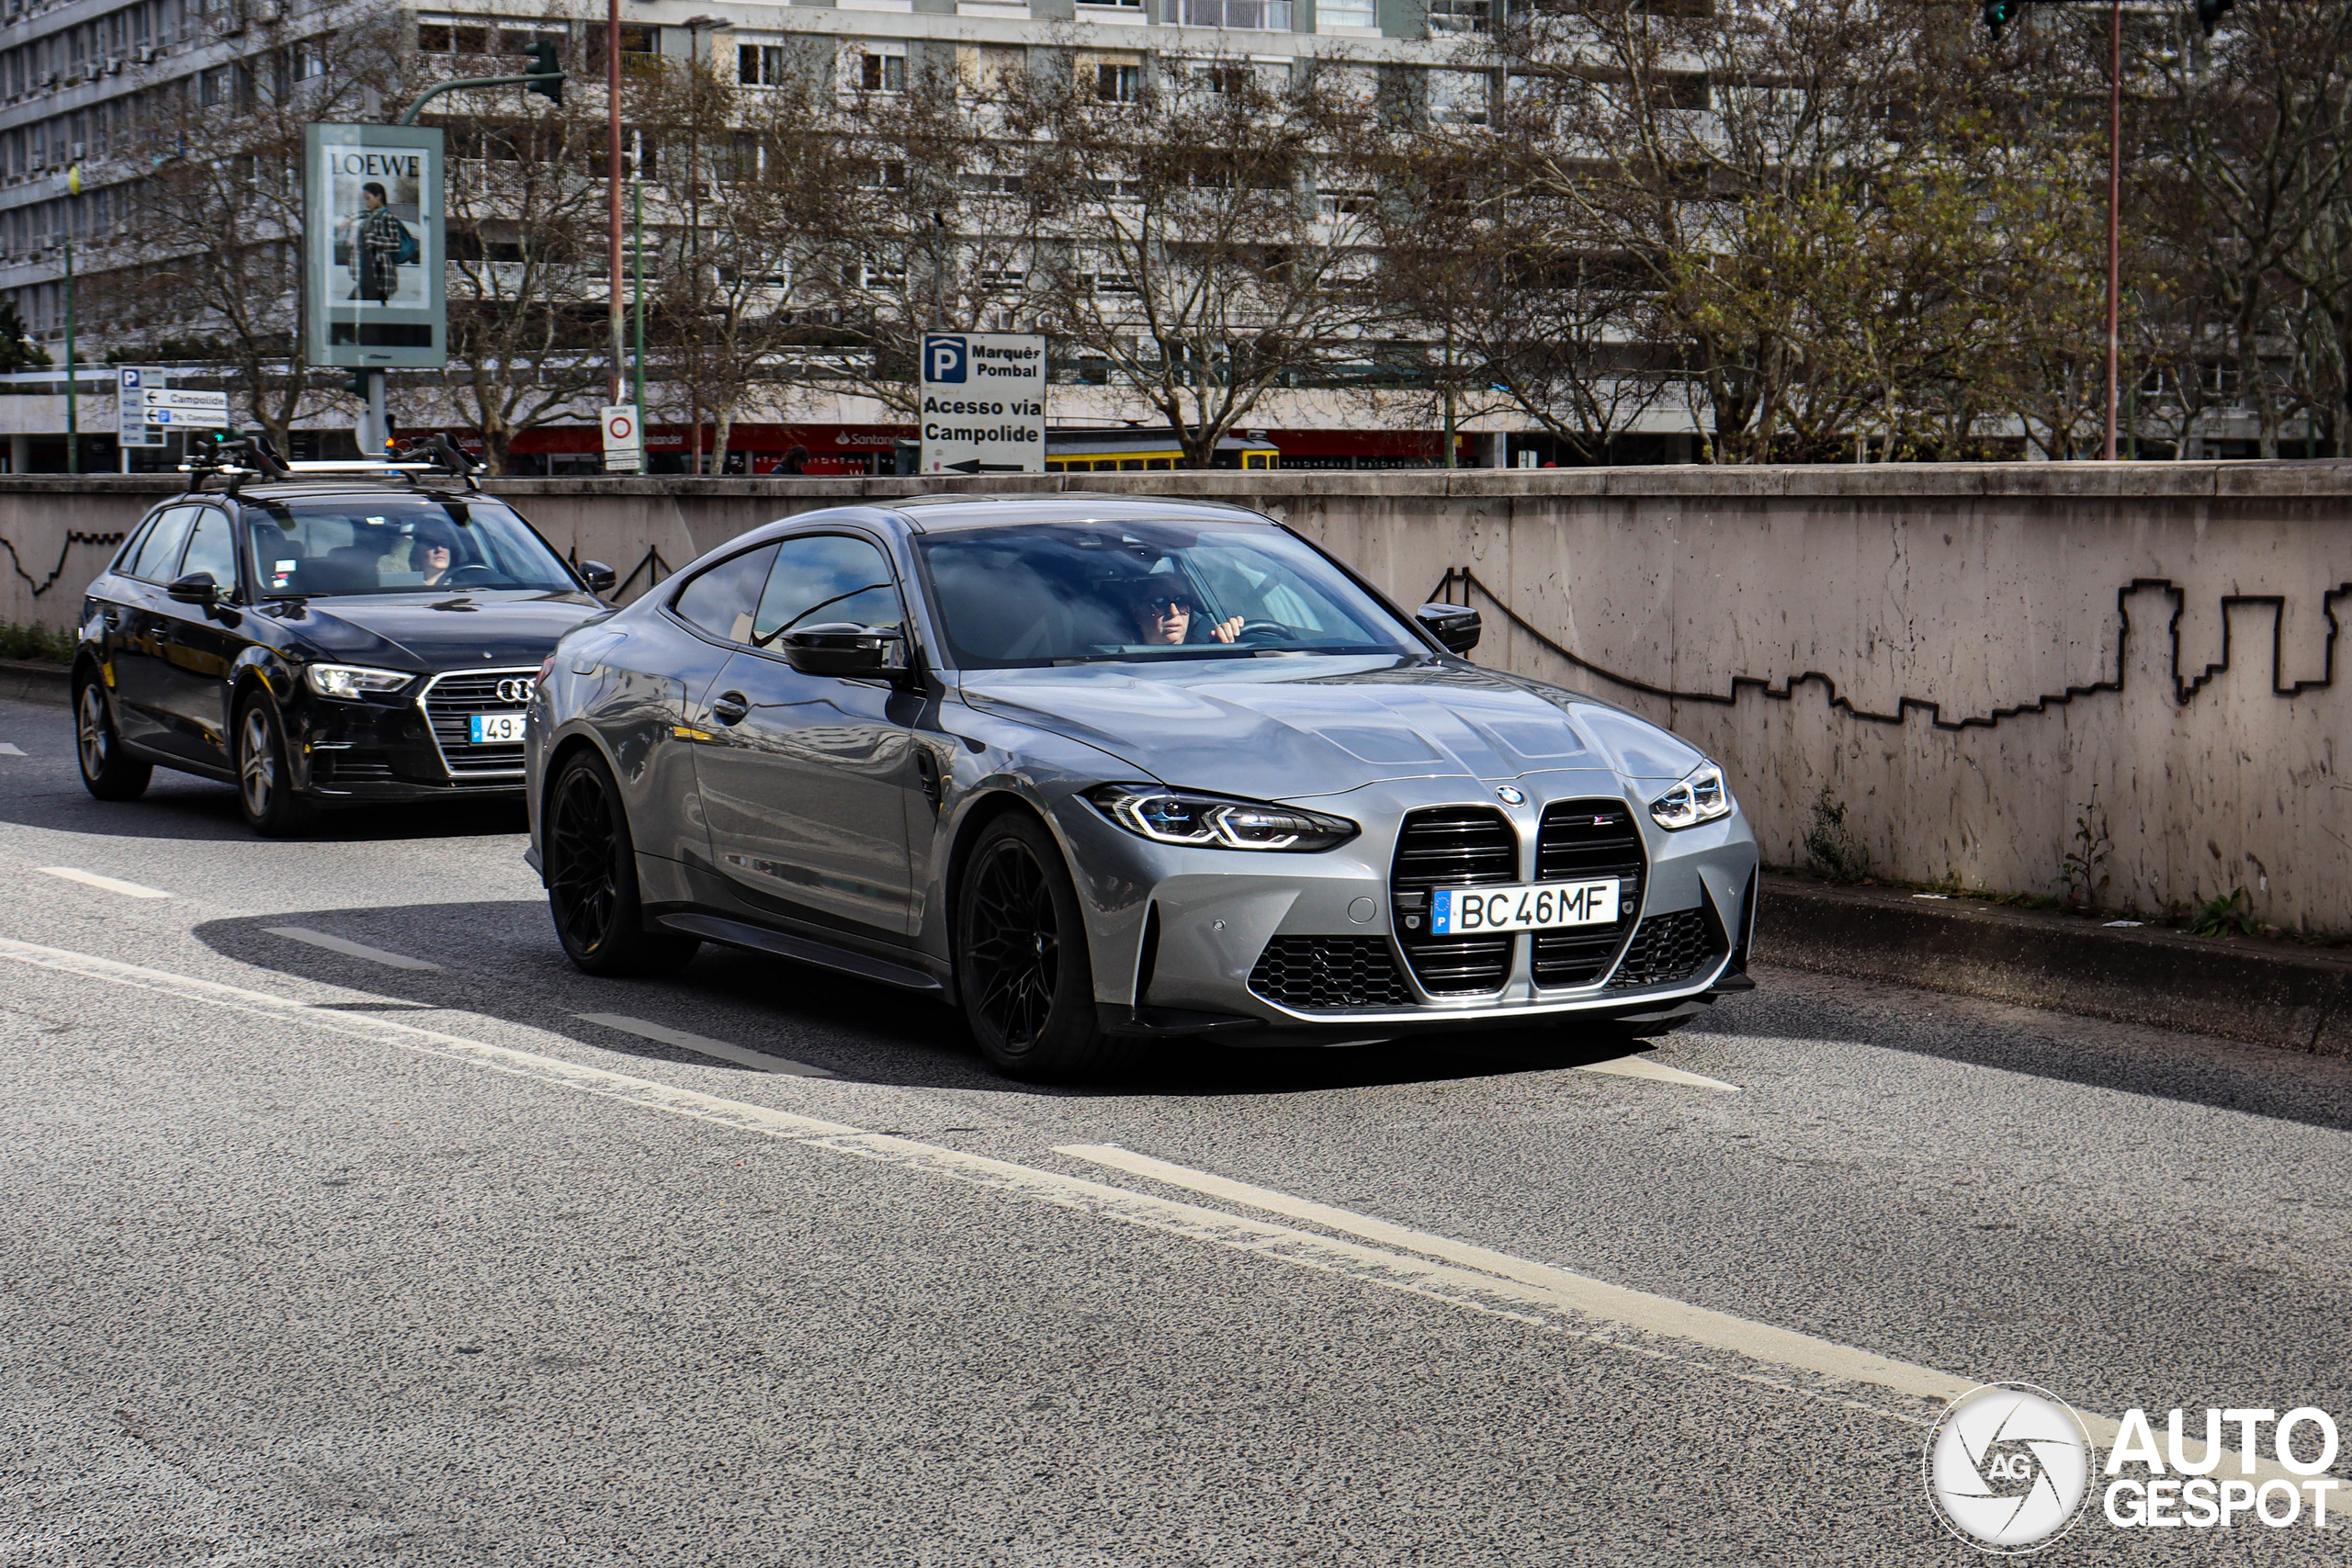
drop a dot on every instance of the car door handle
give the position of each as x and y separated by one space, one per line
730 707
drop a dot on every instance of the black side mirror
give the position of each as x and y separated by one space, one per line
597 576
196 588
1456 627
840 648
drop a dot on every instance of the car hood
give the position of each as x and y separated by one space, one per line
425 632
1282 728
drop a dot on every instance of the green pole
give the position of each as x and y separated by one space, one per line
72 404
637 302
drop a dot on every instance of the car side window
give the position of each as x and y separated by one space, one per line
125 557
722 599
212 548
826 579
161 552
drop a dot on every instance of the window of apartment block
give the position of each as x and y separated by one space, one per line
881 68
1457 97
1115 78
442 34
762 64
640 45
990 69
1336 16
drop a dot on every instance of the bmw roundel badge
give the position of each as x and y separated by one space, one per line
1510 796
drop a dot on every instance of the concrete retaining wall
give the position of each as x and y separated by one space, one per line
1968 658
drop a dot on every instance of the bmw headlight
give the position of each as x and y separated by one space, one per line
1700 798
1214 822
351 681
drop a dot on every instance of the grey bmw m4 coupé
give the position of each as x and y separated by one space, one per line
1107 773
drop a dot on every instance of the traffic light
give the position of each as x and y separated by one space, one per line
2211 12
546 64
1999 13
357 383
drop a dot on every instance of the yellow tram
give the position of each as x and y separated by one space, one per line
1128 449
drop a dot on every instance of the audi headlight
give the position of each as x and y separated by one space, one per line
1700 798
1212 822
351 681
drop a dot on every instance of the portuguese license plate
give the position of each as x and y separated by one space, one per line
488 729
1528 907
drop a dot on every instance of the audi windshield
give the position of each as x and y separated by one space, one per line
396 545
1083 593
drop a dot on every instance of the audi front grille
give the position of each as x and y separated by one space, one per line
449 700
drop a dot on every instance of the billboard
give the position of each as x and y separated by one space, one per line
374 240
983 403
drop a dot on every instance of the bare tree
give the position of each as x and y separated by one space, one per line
1187 244
527 256
756 157
932 223
210 197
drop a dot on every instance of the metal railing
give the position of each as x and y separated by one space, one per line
1238 15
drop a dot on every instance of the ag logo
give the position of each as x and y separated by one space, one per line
2007 1466
943 357
517 689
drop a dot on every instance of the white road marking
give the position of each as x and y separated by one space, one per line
702 1044
106 883
1639 1067
1615 1303
350 949
9 749
1532 1293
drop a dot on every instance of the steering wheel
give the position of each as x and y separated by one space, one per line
476 574
1263 631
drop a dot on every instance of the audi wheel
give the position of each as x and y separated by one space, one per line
108 771
265 778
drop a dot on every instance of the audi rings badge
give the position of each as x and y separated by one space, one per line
517 689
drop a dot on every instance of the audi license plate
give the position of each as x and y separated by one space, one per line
1530 906
488 728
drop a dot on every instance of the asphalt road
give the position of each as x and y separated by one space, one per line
453 1255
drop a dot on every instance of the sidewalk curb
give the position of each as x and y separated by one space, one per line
2266 993
35 680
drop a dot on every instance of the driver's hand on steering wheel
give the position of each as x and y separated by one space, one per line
1227 629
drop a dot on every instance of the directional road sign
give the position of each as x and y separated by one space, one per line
131 383
172 397
983 403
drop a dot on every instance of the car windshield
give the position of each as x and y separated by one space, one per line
1082 592
395 544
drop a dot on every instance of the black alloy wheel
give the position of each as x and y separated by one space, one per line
108 771
592 877
265 777
1021 964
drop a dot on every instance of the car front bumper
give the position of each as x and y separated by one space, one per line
1253 944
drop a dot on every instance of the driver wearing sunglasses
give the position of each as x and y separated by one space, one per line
1163 615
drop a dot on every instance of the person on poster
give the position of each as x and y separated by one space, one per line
379 241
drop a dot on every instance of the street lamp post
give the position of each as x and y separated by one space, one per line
73 403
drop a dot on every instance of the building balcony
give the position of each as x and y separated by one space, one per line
1236 16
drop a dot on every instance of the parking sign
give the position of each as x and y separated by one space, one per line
983 403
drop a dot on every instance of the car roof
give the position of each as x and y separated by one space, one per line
936 513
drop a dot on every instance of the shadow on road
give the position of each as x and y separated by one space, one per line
180 805
502 959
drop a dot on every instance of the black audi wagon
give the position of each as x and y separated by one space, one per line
323 634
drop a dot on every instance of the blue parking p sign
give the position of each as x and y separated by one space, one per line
943 357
